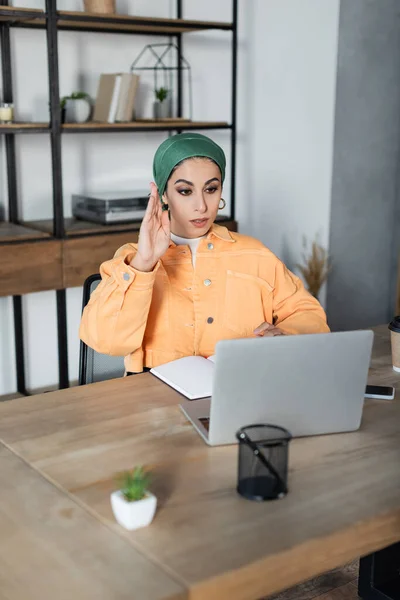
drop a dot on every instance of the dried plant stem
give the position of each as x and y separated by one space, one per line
315 268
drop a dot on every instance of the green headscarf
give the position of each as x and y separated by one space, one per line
178 147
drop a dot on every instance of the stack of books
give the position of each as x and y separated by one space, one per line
115 100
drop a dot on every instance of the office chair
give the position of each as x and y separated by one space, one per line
92 365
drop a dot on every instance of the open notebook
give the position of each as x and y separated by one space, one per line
192 376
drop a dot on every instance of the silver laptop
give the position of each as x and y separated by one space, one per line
309 384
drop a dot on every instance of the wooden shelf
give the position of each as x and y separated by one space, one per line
78 227
17 16
131 24
24 128
9 232
91 126
82 21
75 227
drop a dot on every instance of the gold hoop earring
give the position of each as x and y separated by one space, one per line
223 204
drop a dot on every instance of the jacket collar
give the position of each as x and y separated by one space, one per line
218 231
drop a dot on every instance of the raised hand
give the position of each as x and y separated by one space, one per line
154 234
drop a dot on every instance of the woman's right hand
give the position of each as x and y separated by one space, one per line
154 234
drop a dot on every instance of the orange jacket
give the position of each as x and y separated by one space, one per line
175 310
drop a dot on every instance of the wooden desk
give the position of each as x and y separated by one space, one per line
50 547
344 498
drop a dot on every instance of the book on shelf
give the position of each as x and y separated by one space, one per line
115 98
126 106
123 96
105 92
192 376
165 120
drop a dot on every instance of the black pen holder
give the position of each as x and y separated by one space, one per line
263 462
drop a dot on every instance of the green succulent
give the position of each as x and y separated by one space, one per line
161 93
73 96
134 484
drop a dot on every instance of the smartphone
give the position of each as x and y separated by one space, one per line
380 392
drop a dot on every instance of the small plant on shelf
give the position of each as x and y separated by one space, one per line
75 108
74 96
161 94
162 105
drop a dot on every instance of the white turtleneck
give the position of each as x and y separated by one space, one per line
191 242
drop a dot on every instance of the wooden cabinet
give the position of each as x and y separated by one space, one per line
31 267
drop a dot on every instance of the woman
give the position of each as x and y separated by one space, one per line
189 283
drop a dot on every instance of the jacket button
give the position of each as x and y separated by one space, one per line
126 276
210 246
210 320
207 282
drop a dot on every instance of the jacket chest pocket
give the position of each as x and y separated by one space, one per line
248 302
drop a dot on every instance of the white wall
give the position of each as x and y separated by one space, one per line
290 103
286 90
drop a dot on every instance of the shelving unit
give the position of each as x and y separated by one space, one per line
47 254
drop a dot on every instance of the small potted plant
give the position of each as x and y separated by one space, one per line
162 105
75 108
133 505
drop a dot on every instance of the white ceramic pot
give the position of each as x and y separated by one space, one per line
162 110
133 515
77 111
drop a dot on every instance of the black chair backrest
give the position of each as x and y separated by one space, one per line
92 365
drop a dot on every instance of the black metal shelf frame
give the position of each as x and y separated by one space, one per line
18 18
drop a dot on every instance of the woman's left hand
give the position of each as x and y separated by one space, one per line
268 330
